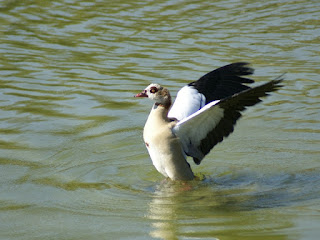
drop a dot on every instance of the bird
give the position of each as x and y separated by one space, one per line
203 114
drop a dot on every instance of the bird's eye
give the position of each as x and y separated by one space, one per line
153 90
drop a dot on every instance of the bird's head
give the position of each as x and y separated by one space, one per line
157 93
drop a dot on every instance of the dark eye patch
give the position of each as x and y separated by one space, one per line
153 89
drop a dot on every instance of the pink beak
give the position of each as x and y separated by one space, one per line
142 94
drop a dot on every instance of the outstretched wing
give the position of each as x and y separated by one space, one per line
217 84
224 81
202 130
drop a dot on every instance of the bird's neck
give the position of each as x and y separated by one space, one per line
160 112
165 100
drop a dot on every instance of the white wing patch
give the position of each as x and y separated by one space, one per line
188 101
196 127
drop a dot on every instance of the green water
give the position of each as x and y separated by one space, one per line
72 161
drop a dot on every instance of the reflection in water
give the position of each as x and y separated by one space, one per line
242 204
163 209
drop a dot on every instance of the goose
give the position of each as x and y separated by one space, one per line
204 113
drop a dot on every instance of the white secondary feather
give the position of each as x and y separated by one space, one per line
194 128
188 101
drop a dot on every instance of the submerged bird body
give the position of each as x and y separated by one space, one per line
204 112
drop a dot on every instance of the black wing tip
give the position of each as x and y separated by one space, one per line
277 82
232 72
238 69
227 81
279 79
196 161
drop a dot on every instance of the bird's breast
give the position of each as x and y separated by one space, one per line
167 154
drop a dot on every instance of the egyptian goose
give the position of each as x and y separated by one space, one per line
204 112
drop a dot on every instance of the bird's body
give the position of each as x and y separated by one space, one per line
164 147
205 111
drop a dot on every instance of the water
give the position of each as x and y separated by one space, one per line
73 163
